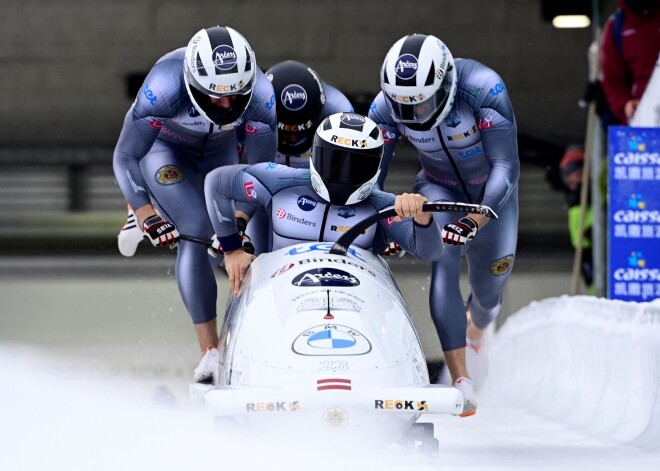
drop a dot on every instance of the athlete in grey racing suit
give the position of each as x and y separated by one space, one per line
302 101
469 156
323 202
165 150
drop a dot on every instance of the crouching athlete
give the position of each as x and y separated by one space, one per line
310 205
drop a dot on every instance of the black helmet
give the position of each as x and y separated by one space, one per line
300 105
346 156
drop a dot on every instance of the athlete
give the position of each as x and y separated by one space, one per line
458 115
302 101
182 125
320 203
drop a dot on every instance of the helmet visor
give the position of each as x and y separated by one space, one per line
424 110
217 113
345 166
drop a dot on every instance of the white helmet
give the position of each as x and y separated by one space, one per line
219 62
418 79
346 155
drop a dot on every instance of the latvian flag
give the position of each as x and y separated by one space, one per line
333 383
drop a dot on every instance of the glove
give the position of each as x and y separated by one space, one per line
460 232
393 249
241 225
130 235
160 232
215 249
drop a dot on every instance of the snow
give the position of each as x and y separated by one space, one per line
573 384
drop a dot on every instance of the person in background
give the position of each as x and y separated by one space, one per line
459 117
629 51
302 101
183 124
570 168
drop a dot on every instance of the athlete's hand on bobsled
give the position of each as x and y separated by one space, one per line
409 205
236 263
460 232
160 232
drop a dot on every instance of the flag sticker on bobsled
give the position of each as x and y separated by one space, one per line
333 383
331 339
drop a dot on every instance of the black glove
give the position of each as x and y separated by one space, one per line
160 232
241 225
460 232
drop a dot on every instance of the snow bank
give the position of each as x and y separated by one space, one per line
590 363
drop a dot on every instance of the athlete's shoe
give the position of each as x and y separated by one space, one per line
476 360
130 235
464 385
208 366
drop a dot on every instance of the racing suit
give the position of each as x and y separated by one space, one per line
297 214
163 154
471 157
335 102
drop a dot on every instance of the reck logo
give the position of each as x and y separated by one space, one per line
344 229
349 142
279 406
400 405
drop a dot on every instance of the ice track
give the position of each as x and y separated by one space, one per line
574 385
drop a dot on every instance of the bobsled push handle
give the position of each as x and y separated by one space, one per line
341 246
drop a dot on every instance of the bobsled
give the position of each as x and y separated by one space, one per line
320 339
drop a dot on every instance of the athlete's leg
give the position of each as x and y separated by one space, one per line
445 299
177 187
490 260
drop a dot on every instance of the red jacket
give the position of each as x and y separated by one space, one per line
626 73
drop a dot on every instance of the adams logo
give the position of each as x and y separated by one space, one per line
325 277
293 97
224 57
306 203
406 66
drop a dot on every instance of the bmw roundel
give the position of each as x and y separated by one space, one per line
293 97
406 66
331 339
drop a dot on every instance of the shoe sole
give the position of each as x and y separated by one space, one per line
468 413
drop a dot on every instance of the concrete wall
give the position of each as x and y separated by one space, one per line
63 64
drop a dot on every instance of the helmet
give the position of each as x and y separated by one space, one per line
300 104
219 62
418 79
346 156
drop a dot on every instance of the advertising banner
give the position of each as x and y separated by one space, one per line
634 214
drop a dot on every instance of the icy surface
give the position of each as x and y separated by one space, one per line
573 385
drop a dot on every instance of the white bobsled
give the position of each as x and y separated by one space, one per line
321 338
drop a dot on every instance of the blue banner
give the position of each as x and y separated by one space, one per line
634 214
